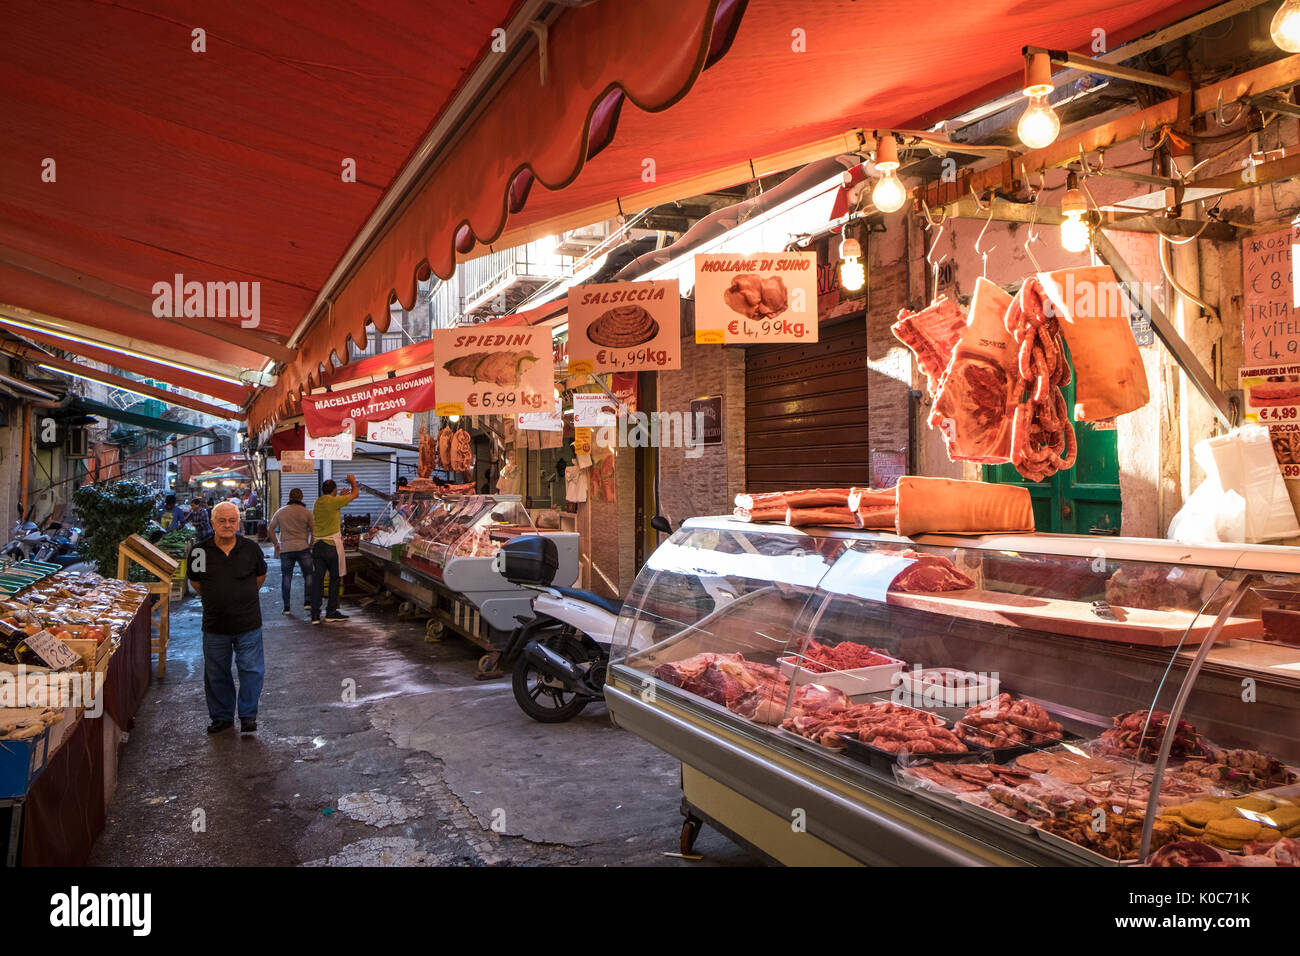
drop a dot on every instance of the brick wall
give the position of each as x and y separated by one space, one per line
705 485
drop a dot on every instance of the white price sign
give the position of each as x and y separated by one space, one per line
397 430
330 447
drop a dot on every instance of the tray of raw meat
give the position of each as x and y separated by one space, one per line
848 666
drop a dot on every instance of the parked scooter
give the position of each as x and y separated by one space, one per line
25 542
559 657
60 547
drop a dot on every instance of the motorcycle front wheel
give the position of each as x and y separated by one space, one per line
544 698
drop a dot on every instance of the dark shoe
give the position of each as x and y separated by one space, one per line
217 726
336 616
247 725
307 608
286 612
315 620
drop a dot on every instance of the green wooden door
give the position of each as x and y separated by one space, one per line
1083 500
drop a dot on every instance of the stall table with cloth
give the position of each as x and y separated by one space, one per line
56 822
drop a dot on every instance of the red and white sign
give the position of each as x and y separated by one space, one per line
751 299
398 430
1273 399
330 447
494 371
552 421
325 413
1270 320
625 327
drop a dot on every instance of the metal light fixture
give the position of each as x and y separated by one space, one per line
889 193
1285 28
853 274
1039 125
1076 231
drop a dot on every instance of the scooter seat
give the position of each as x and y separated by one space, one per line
66 560
612 605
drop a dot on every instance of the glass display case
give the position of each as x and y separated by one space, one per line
387 537
433 528
839 696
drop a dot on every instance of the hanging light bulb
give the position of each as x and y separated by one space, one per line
1076 232
853 275
889 193
1285 28
453 418
1039 125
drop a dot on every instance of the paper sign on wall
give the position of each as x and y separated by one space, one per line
625 326
593 410
1273 399
552 421
1270 321
493 371
397 430
330 447
766 297
296 463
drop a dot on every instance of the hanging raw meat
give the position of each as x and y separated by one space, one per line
462 451
973 406
1042 437
1093 311
444 447
931 334
428 454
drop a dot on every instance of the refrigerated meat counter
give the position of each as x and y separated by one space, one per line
851 697
437 551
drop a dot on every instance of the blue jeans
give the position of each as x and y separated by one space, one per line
287 561
219 683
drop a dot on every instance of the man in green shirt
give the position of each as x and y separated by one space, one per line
327 552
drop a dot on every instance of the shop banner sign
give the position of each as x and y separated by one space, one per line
625 327
491 371
552 421
1273 399
296 463
398 430
325 413
752 299
330 447
593 410
1270 320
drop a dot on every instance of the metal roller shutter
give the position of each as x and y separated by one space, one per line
310 485
806 412
371 469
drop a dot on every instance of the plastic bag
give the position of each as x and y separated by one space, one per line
1240 467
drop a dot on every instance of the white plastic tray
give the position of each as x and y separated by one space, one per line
860 680
977 689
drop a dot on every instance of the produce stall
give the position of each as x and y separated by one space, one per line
58 750
438 552
847 696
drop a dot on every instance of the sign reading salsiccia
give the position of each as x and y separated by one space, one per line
625 327
750 299
494 371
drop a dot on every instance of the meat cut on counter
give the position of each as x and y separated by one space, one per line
753 690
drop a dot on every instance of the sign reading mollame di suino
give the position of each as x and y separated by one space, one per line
625 327
494 370
326 413
763 297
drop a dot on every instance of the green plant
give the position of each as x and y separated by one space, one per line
111 513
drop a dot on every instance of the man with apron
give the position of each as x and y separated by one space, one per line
327 552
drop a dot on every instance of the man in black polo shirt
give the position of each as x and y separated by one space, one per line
227 570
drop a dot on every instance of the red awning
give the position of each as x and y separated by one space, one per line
192 465
222 166
787 73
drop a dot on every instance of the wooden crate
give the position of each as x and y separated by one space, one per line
94 654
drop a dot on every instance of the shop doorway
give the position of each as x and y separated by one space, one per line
1083 500
806 411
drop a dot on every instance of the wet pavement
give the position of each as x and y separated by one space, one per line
375 747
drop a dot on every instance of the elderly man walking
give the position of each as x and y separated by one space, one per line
227 570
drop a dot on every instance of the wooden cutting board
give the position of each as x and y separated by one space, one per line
1076 618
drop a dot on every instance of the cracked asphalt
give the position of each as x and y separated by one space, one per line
377 748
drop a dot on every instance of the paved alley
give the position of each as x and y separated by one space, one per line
414 767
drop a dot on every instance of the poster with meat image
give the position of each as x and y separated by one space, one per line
493 371
751 299
625 327
1273 399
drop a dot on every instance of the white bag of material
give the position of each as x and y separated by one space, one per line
1243 462
1209 516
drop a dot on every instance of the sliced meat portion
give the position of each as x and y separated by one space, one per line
930 573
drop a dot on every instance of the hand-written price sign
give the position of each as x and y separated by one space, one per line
1270 319
493 371
625 327
767 297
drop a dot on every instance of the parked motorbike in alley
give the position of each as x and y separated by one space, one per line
558 658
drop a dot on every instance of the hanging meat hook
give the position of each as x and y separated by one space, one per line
1033 234
1218 112
984 253
929 256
